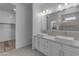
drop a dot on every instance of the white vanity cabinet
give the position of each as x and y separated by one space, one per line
53 48
37 42
49 47
34 42
42 44
70 51
45 46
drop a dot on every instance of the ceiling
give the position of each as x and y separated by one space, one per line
44 6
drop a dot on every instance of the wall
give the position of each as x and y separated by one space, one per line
6 17
23 24
36 19
7 32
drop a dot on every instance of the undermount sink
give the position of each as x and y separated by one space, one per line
49 37
65 38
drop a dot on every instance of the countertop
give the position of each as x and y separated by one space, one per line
73 43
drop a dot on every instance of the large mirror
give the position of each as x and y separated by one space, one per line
62 20
66 20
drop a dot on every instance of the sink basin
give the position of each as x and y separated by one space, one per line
46 36
65 38
49 37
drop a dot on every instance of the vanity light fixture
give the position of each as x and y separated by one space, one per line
14 9
47 11
60 7
44 12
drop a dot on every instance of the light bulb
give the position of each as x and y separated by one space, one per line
59 6
47 10
14 9
44 12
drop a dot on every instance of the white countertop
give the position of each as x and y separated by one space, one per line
74 43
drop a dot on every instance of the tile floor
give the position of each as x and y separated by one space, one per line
25 51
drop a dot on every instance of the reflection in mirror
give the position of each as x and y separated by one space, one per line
53 25
52 21
70 18
70 22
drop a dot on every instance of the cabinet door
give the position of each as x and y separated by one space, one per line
37 43
45 47
70 51
33 42
54 48
42 42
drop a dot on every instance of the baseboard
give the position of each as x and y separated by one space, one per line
27 44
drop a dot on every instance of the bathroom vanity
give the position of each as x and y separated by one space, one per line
54 46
